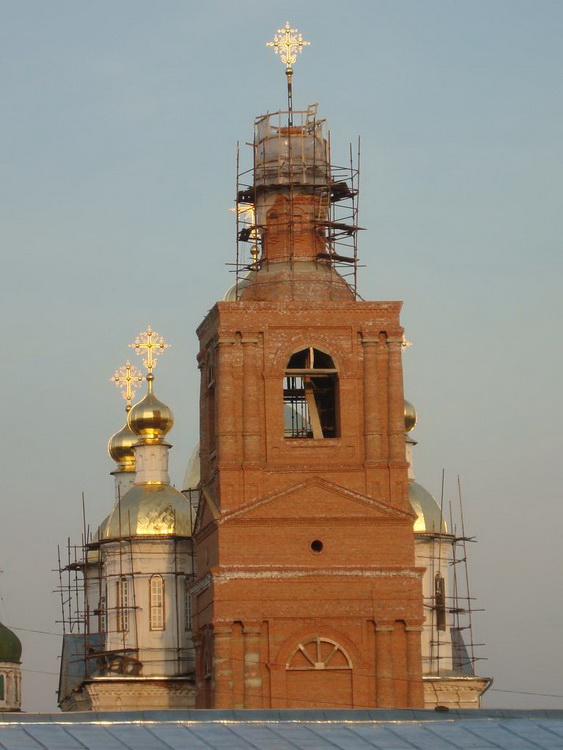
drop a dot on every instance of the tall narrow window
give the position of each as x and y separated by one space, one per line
440 596
187 604
1 687
310 395
122 605
156 604
102 623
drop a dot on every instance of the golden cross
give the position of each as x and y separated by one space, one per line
405 344
128 378
287 43
153 344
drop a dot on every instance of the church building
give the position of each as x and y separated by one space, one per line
302 566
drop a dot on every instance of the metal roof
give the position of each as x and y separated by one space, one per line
283 730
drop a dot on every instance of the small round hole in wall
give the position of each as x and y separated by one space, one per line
317 546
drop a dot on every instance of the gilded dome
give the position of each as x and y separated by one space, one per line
100 533
193 473
150 510
120 447
10 645
150 419
410 416
429 518
93 551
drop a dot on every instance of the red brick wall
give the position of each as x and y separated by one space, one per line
266 592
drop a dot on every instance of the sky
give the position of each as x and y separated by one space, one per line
119 123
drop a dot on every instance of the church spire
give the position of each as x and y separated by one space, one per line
299 212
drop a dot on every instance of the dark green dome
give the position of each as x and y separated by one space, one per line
10 645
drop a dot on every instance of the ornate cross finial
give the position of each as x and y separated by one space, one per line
128 378
152 344
287 43
405 344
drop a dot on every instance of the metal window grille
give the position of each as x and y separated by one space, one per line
122 605
156 593
102 615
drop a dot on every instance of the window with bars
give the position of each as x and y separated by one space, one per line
156 603
122 605
310 395
102 615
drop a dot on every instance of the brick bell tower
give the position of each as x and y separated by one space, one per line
307 594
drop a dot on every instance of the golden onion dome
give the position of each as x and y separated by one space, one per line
429 518
410 416
150 419
150 510
120 447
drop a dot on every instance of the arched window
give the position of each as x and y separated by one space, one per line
318 653
156 603
310 395
122 605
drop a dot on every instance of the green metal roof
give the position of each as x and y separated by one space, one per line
10 645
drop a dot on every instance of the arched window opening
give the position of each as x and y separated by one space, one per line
156 602
122 605
310 395
319 653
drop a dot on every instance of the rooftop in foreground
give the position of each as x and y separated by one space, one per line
285 729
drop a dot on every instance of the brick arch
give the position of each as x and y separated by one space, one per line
318 653
318 670
286 350
291 644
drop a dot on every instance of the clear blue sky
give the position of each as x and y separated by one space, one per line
119 123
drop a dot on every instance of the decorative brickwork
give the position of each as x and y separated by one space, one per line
305 538
307 593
